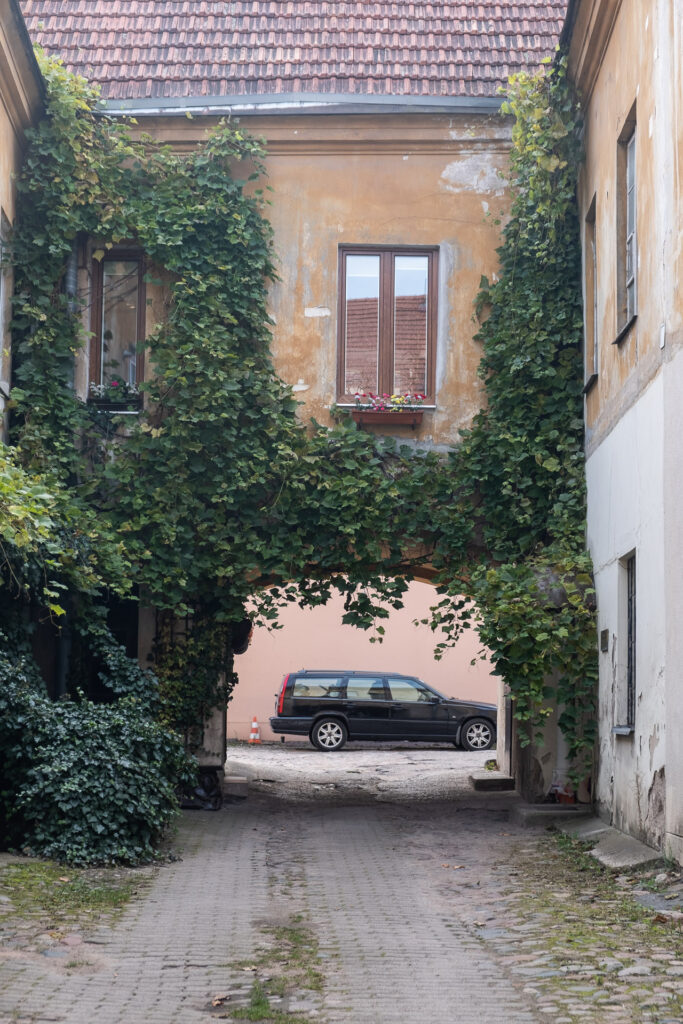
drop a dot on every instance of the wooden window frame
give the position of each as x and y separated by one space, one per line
386 314
115 255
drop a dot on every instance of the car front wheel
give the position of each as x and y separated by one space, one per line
328 734
477 734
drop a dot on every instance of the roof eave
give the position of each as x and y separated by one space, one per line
297 103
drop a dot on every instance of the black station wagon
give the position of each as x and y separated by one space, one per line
330 707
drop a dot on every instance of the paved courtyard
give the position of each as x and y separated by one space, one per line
359 911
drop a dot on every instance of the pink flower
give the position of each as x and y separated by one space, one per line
114 383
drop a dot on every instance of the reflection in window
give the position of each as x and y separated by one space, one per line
409 690
119 328
362 324
387 322
411 277
365 688
313 686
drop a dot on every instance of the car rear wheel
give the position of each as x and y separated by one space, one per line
477 734
328 734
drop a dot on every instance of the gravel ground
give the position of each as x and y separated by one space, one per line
359 772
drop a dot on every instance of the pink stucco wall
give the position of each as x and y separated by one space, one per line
316 638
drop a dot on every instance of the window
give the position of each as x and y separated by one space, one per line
118 320
626 697
313 686
590 299
410 690
627 250
365 688
387 321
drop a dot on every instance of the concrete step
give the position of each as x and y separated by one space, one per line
484 781
613 848
531 815
236 786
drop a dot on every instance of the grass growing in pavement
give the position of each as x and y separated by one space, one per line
291 965
259 1009
45 889
300 951
575 921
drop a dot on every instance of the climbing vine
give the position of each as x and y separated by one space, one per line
216 494
521 465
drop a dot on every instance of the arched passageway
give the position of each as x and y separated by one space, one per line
317 638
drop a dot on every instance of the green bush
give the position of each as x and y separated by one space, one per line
82 782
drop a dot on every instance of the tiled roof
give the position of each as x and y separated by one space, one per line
180 48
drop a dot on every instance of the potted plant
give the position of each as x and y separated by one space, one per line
397 409
115 395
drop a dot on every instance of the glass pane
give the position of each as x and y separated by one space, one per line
313 686
362 324
119 321
631 211
365 688
410 324
631 163
409 691
630 300
630 270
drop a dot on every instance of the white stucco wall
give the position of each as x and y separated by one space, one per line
625 514
673 592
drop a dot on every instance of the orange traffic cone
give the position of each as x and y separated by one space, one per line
255 735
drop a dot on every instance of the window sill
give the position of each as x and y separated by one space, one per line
625 330
622 730
390 417
588 386
131 407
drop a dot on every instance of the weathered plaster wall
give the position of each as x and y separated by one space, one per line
673 601
623 53
409 179
625 496
642 51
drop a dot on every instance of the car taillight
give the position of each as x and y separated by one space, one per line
281 701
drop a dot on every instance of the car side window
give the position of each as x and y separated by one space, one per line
409 690
365 688
317 686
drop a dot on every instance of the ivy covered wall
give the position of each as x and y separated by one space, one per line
218 494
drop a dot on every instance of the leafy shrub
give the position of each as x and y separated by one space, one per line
83 782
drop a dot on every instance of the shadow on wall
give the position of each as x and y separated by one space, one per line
316 638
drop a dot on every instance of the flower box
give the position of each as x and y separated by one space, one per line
127 404
387 417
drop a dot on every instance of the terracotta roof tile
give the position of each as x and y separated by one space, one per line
178 48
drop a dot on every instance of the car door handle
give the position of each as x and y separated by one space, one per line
396 704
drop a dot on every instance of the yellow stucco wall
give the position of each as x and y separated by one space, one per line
408 179
625 52
621 54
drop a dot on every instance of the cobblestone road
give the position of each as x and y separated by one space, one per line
436 911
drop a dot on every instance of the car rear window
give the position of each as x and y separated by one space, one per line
317 686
